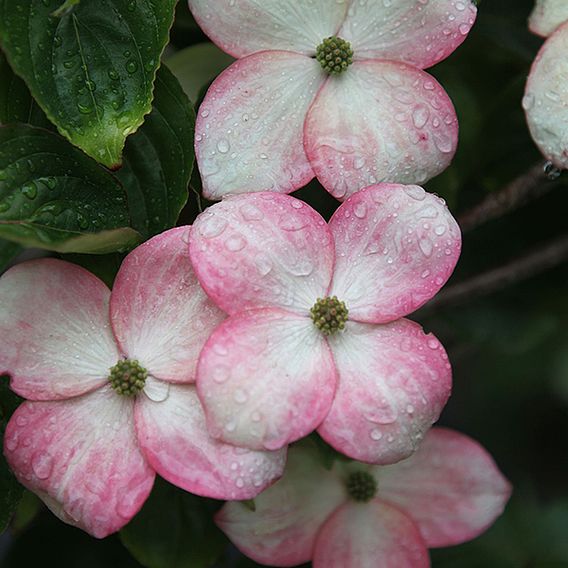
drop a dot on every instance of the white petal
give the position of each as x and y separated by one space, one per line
242 27
249 130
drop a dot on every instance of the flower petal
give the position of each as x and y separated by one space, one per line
361 535
173 436
247 26
547 15
81 457
416 32
262 250
159 312
249 130
281 530
546 99
393 382
54 330
396 246
266 378
450 487
381 121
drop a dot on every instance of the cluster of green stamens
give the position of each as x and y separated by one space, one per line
329 315
361 486
334 55
128 377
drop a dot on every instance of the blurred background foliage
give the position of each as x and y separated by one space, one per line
508 344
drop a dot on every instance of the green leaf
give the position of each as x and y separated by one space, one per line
52 196
29 507
16 102
158 159
174 529
10 490
104 55
8 252
197 65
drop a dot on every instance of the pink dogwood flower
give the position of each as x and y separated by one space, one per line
327 88
356 515
107 378
546 94
315 337
547 16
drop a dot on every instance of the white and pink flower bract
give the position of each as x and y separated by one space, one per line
546 94
275 119
89 452
268 376
355 515
547 16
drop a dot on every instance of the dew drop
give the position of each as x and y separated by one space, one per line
235 243
42 464
213 227
29 189
426 247
376 434
223 146
221 373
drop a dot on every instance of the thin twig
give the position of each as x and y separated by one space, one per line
527 187
198 196
549 256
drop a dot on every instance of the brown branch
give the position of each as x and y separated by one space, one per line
551 255
527 187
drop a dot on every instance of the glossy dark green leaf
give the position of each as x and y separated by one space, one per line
174 529
158 159
28 509
52 196
8 251
16 102
10 490
91 69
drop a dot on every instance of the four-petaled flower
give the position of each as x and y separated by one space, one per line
331 88
448 492
546 94
316 335
107 378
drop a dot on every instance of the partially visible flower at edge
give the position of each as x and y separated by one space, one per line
327 88
547 15
108 381
316 336
546 94
448 492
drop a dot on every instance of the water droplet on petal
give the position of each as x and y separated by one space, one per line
42 464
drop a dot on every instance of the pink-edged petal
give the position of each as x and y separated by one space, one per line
380 121
282 529
81 457
54 330
172 434
160 314
450 487
368 535
393 381
416 32
396 246
262 250
247 26
546 98
266 378
547 15
249 130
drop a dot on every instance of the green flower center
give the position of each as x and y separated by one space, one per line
329 315
334 55
128 377
361 486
